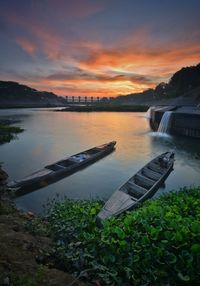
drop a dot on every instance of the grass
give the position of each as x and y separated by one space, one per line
157 244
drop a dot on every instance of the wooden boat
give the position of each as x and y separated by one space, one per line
60 169
139 187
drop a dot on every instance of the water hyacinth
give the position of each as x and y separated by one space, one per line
157 244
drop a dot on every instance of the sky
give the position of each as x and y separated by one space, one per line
97 47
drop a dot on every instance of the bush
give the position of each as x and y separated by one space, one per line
157 244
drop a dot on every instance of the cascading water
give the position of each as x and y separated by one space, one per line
165 122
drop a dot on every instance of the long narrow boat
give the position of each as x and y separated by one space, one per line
60 169
139 187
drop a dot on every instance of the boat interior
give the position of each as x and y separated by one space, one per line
93 151
69 162
61 165
145 179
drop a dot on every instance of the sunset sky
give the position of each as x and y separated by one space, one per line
97 47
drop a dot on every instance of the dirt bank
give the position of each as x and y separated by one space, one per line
25 259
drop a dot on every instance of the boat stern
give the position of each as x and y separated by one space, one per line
13 185
113 143
102 215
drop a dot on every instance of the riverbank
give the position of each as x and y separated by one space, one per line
105 107
25 259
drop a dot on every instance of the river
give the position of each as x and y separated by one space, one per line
50 136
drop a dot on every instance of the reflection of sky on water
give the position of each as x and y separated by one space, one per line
51 136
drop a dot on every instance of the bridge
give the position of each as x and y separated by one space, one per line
81 99
85 99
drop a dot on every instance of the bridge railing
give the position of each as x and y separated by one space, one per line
84 99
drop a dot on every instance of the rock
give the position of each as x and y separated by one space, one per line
16 228
30 214
6 281
3 175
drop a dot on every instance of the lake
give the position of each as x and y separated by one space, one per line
50 136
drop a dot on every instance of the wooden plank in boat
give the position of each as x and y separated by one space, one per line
155 168
151 174
118 201
143 181
135 190
62 167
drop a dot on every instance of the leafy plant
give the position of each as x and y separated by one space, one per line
17 279
157 244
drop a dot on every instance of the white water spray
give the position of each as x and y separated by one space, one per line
165 122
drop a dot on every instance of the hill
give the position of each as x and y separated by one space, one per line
13 94
182 88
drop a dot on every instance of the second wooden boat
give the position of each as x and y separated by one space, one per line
60 169
139 187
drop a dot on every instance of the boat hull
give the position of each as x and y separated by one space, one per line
122 201
47 176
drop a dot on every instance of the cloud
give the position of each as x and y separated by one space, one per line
136 60
77 75
28 46
89 83
165 59
77 9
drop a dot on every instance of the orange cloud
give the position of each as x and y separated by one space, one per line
26 45
133 64
159 62
101 87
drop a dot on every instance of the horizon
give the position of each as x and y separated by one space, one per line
97 48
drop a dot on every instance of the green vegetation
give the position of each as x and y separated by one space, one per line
108 107
8 132
23 279
158 244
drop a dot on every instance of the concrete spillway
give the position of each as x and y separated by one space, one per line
182 121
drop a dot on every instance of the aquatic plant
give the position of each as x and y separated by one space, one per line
157 244
8 132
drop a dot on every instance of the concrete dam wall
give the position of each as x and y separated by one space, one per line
180 121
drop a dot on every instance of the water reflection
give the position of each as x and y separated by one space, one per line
50 136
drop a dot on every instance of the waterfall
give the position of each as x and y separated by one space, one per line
165 122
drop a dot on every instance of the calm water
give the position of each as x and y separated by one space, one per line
50 136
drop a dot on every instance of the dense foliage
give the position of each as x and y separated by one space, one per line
185 79
157 244
181 83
